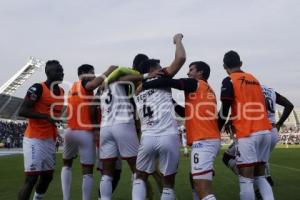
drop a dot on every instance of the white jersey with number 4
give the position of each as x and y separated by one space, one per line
116 107
156 112
270 97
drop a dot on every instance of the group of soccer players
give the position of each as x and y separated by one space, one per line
108 117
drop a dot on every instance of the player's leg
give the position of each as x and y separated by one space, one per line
43 184
194 192
87 157
264 143
145 165
246 158
47 156
274 140
31 168
117 174
70 150
108 155
202 159
169 155
25 191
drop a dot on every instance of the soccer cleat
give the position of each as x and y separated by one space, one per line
270 180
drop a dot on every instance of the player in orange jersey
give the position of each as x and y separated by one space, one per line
201 123
42 106
80 135
242 93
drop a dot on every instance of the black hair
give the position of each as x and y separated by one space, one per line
50 63
202 66
138 59
145 66
232 59
84 69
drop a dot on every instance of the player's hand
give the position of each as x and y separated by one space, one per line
177 38
278 126
156 74
138 89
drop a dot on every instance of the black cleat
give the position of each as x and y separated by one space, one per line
270 180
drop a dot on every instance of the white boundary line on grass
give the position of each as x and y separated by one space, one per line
284 167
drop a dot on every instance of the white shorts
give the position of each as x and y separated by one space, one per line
203 155
165 148
99 163
120 139
82 142
39 155
274 138
253 150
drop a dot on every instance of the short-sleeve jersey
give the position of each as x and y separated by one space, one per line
156 112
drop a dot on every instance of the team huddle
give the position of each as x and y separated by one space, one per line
129 114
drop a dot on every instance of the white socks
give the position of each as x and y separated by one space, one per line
264 187
138 190
209 197
246 188
168 194
66 179
87 186
37 196
106 187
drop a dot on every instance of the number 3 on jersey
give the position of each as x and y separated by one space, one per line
147 111
109 97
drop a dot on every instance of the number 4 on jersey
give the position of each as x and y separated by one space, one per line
147 111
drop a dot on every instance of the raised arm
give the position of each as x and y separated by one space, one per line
180 56
288 108
96 82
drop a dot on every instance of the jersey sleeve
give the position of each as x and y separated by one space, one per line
34 92
227 93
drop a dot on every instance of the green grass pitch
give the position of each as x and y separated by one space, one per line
285 168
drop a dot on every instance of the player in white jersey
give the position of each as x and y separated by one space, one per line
160 138
272 98
118 134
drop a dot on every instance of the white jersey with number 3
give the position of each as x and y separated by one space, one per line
156 112
116 107
270 97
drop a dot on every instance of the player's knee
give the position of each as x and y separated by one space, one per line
87 169
31 180
169 180
46 178
226 158
141 175
68 162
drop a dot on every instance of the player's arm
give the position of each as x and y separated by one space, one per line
188 85
227 97
96 82
94 109
180 110
180 56
288 108
32 97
